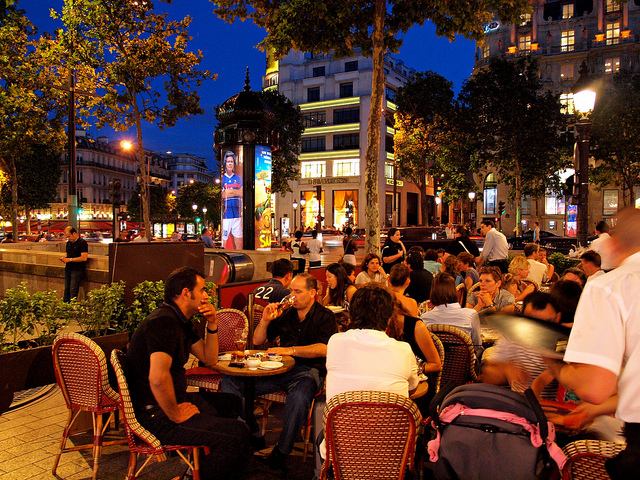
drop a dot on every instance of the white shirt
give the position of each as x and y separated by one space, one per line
453 314
369 360
314 246
495 246
364 278
537 271
602 246
599 273
606 332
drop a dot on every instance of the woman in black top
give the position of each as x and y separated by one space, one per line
462 243
349 247
393 251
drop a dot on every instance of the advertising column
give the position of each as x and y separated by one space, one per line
263 208
232 199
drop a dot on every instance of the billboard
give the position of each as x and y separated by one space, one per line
231 185
262 192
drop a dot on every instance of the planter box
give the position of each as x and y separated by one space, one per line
33 367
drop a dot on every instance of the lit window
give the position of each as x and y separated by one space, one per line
553 205
566 104
485 50
567 10
490 194
346 168
566 71
612 33
612 65
524 19
388 170
611 6
313 169
567 40
524 43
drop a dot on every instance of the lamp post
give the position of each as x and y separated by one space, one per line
194 207
204 216
438 202
472 209
295 216
303 202
584 100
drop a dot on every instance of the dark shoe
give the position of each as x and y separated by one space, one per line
276 459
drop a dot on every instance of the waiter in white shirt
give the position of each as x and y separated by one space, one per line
496 249
602 246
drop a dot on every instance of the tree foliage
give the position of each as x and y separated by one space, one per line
159 203
29 108
133 51
373 28
202 195
516 127
616 122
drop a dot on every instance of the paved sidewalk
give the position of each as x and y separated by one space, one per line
30 438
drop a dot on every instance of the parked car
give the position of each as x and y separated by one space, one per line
549 240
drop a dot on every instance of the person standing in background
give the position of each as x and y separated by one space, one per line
315 249
75 263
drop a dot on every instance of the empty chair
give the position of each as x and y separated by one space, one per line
141 441
81 373
586 459
229 319
459 365
370 435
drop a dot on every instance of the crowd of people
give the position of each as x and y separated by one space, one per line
385 345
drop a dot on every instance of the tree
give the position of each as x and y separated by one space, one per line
133 51
285 132
516 127
372 27
202 195
616 121
159 204
29 108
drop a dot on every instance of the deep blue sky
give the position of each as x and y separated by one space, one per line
229 48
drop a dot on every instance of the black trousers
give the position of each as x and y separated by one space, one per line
626 464
216 426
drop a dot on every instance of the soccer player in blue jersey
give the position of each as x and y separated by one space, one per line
231 203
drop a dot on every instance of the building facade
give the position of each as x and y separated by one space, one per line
561 35
187 168
334 96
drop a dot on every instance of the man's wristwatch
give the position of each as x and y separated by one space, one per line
212 331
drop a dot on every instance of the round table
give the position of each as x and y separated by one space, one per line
223 367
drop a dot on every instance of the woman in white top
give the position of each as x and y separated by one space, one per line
371 270
298 251
315 249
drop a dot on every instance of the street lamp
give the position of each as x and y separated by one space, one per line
295 216
204 216
584 99
438 202
472 209
303 202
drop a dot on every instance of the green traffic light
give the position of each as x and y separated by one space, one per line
197 219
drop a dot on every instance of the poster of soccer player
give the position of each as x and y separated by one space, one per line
232 199
262 193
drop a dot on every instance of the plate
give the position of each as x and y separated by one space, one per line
225 357
275 358
270 365
335 309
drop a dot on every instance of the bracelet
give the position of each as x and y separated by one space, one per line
212 331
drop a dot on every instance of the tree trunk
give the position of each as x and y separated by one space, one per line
27 214
518 199
14 199
423 203
373 131
144 173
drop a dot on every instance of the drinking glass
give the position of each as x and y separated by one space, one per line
240 336
285 303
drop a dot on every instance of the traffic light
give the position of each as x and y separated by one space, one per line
198 219
501 208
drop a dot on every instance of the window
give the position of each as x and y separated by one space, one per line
388 170
524 43
346 90
490 194
314 119
313 169
486 51
553 204
351 66
526 205
346 141
567 10
313 94
390 93
611 6
566 71
318 71
345 207
612 65
388 144
524 19
566 104
612 33
567 40
313 144
346 115
346 168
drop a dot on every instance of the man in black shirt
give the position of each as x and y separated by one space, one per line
158 350
276 288
393 251
75 263
420 287
304 331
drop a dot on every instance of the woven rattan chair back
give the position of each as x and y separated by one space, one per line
137 435
370 435
229 319
459 366
435 380
586 459
461 293
81 373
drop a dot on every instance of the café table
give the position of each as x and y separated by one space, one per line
223 367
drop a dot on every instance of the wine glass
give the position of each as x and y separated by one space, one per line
240 336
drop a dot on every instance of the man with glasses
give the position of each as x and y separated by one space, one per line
304 332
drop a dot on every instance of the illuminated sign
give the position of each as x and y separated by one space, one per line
262 192
231 194
490 27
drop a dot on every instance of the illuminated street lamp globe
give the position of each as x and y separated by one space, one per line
126 145
472 196
583 101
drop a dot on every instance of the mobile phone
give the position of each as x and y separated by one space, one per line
236 364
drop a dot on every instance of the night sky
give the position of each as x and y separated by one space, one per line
229 48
